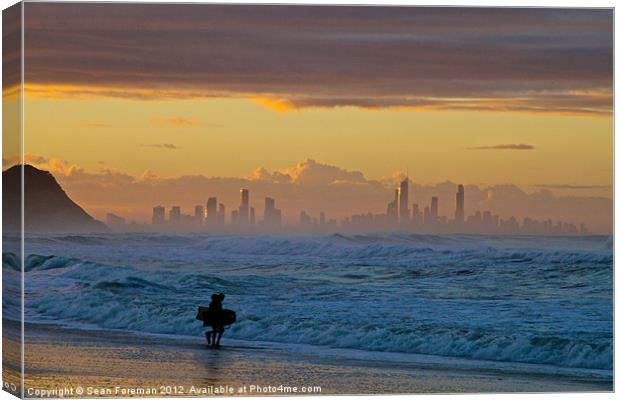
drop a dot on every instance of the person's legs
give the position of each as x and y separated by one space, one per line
218 336
208 335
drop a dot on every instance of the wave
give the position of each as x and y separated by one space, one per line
474 344
518 299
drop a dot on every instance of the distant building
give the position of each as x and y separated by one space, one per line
459 213
435 207
212 217
272 217
243 215
199 215
252 216
403 201
487 219
159 216
221 214
175 215
392 209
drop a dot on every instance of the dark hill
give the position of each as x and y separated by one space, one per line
47 206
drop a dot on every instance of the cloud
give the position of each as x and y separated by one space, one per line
168 146
177 121
310 172
262 174
54 165
294 57
520 146
28 159
148 175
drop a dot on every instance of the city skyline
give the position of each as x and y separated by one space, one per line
316 187
397 217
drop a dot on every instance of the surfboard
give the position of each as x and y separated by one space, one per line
227 317
202 312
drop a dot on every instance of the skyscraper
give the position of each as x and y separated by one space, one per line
159 216
243 216
392 209
199 215
272 217
221 214
270 205
212 217
175 215
459 213
403 201
434 207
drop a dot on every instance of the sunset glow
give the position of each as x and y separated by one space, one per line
493 97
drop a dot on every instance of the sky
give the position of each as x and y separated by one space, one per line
479 96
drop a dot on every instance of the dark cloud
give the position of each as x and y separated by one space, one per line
535 60
520 146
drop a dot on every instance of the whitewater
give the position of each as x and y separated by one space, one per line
526 299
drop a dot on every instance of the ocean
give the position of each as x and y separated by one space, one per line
519 299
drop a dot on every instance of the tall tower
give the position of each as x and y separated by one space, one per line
221 214
392 208
270 205
459 213
273 216
434 206
244 208
159 216
212 218
403 200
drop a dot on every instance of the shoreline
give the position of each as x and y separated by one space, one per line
58 357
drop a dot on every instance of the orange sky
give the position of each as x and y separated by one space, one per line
478 96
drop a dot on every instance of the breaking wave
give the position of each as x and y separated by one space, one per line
546 301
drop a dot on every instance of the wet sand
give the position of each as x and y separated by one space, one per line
83 363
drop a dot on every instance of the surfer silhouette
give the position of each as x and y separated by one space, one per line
215 320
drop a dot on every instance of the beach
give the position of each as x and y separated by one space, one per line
60 362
